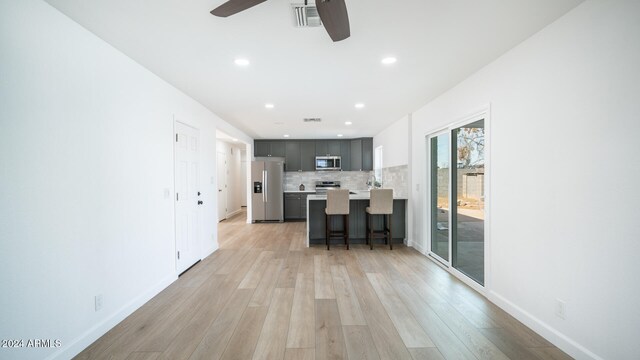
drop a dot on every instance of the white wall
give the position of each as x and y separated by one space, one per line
393 140
86 157
564 132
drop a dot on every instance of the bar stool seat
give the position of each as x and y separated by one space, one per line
381 203
337 205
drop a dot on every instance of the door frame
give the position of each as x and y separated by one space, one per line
483 112
223 167
445 262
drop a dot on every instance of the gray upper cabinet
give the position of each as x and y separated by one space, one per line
367 154
300 155
264 148
356 155
277 148
327 147
361 154
261 148
292 156
345 155
321 148
307 155
333 147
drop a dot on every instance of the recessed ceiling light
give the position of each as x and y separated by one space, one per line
339 135
359 105
268 106
348 123
234 139
241 62
286 135
389 60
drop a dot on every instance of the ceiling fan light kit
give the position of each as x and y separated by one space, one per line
333 14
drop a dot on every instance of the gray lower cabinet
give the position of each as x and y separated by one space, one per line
292 206
357 221
295 206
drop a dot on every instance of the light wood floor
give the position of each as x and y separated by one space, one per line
263 295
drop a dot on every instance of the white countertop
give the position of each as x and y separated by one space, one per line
300 192
359 195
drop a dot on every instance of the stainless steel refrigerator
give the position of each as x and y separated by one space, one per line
267 191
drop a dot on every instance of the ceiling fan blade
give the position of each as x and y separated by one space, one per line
234 6
335 19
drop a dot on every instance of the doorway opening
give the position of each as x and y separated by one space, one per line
232 160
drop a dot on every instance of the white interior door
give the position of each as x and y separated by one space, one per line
187 173
222 185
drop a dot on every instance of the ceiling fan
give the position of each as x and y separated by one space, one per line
333 14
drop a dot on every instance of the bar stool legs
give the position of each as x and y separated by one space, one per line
389 235
346 231
329 232
326 230
385 232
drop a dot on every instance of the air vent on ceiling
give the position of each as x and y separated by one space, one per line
312 120
305 15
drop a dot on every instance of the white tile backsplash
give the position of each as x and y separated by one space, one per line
396 178
352 180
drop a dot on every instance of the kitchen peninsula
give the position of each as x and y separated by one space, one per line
358 201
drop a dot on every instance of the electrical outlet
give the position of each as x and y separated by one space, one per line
417 187
561 309
98 302
167 193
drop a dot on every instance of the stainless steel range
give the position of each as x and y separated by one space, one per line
323 186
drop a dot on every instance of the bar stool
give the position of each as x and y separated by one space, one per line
337 204
381 203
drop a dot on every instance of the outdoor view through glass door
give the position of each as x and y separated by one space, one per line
457 198
440 195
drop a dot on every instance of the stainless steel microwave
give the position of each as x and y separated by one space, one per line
328 163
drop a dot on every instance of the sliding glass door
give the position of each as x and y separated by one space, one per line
457 197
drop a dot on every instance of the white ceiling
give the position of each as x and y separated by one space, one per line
438 43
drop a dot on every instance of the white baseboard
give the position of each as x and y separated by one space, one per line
210 251
560 340
233 213
416 245
564 343
87 338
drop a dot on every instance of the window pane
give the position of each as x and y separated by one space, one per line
377 167
440 196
